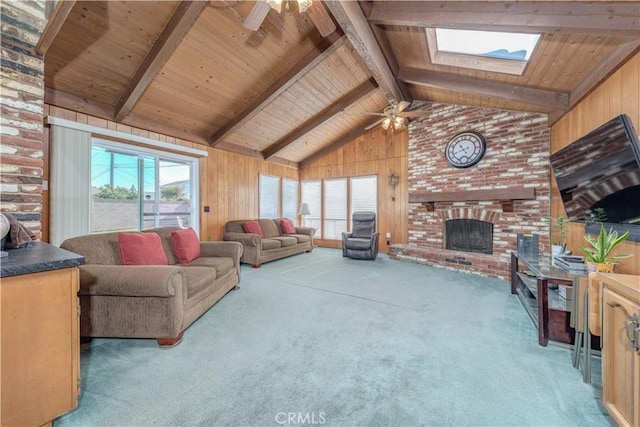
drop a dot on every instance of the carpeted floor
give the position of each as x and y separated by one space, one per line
316 339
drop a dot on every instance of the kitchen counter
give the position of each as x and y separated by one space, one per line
37 257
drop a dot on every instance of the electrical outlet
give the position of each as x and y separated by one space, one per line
207 209
388 235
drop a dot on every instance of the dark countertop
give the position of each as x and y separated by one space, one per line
37 257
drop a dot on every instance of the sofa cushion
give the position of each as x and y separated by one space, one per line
223 265
286 241
198 279
302 238
270 244
141 249
186 245
269 227
287 226
253 227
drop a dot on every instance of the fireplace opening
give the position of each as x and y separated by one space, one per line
469 235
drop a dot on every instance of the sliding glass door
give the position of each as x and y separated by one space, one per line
137 190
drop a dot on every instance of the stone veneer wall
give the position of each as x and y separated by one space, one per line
517 154
22 100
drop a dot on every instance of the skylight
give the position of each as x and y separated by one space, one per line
488 44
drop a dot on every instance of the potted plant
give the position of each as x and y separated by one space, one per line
557 231
598 256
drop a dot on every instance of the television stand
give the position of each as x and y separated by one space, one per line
532 280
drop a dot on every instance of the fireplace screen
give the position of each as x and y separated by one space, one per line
469 235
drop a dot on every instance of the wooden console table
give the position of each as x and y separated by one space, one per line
530 279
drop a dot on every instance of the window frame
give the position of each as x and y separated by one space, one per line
158 156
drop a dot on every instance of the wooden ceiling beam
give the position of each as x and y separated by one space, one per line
341 142
317 120
54 24
390 57
184 16
76 103
544 98
326 47
614 18
355 25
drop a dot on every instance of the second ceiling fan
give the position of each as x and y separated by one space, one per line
314 9
394 115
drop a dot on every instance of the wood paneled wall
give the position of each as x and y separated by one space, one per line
619 94
229 182
377 152
229 185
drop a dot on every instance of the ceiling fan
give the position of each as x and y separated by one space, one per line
394 115
315 10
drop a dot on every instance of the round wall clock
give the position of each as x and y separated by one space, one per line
465 149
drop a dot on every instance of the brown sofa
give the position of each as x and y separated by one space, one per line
149 301
274 245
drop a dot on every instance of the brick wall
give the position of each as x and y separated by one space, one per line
22 100
517 155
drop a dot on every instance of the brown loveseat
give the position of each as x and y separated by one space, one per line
274 245
149 301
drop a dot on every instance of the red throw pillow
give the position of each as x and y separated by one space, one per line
186 245
253 227
287 226
141 249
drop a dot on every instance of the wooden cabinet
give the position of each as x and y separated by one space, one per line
40 346
621 348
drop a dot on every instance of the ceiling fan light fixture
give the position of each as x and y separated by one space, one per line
398 122
303 5
275 4
386 123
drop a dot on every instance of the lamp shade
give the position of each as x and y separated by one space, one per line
304 209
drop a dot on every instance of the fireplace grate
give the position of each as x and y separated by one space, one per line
469 235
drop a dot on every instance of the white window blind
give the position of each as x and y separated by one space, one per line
290 199
311 195
335 208
364 194
269 196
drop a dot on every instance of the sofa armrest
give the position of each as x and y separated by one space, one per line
309 231
247 239
164 281
228 249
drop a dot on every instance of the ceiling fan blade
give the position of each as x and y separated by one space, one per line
367 113
374 124
321 18
256 16
401 106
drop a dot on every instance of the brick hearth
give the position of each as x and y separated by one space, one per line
517 155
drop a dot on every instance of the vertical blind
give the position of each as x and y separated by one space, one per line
70 186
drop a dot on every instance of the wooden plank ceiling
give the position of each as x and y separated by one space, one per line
286 94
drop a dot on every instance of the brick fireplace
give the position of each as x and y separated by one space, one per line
508 189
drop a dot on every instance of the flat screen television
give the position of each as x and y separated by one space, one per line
600 172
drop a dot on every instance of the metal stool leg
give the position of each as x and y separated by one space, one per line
586 367
577 348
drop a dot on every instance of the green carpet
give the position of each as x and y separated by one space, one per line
317 339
